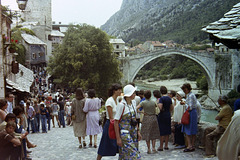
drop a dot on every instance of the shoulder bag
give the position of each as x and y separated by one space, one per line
111 130
186 117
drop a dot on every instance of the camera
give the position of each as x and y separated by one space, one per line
133 122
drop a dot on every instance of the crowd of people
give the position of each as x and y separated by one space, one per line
135 115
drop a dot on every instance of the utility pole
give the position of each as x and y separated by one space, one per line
2 75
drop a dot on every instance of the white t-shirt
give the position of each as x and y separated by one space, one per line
68 110
128 108
137 99
110 102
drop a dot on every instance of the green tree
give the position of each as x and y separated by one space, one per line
85 60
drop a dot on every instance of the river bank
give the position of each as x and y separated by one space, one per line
173 84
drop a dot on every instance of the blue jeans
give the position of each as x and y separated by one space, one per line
61 117
49 121
32 125
37 122
44 123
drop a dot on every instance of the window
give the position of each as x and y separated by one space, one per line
41 54
33 55
117 46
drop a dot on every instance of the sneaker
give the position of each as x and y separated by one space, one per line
180 147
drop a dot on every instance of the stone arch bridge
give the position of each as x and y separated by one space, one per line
227 81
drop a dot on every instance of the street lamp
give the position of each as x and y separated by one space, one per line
22 4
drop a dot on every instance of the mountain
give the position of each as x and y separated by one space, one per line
178 20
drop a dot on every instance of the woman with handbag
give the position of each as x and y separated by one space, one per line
126 127
149 129
190 129
107 146
79 117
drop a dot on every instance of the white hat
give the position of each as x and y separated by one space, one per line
181 93
128 90
68 103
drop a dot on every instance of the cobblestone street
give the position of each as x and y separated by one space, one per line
60 144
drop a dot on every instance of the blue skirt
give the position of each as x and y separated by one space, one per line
192 127
107 146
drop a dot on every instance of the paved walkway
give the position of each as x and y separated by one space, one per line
60 144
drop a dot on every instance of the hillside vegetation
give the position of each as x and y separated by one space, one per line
179 20
173 67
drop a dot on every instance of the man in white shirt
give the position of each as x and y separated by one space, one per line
10 97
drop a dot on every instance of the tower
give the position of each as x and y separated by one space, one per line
38 13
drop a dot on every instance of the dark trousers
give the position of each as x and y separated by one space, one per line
179 136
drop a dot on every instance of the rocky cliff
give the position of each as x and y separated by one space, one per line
179 20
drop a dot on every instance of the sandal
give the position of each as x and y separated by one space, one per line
84 144
80 146
154 151
160 149
166 148
90 145
149 152
95 146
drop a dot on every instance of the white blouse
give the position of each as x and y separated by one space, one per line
110 102
128 108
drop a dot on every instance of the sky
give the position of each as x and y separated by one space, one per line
93 12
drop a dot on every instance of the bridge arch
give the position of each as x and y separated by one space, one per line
206 61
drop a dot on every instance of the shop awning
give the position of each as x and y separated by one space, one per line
13 85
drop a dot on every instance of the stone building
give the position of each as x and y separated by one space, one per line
153 45
15 77
118 46
35 51
38 17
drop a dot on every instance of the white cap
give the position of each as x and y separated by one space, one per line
181 93
128 90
